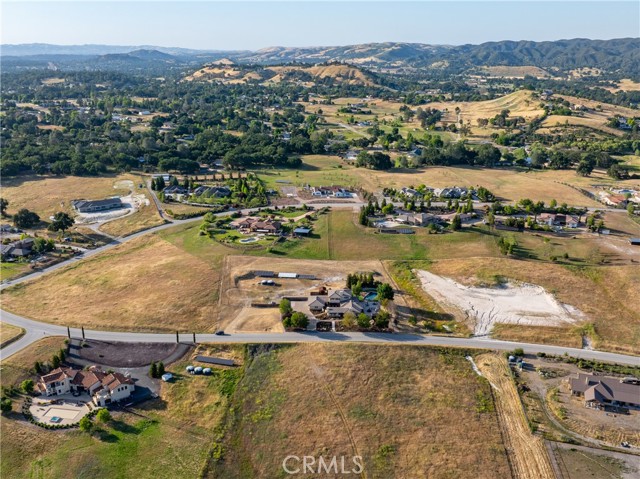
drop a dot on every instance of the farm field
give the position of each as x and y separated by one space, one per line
405 411
528 456
146 284
601 293
8 332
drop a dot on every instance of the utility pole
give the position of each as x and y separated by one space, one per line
194 338
177 337
83 332
68 332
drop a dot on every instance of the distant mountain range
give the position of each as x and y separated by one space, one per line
26 49
618 55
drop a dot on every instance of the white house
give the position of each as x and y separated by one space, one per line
102 387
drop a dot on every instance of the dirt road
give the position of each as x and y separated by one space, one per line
527 453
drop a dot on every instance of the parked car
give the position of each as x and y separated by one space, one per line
220 332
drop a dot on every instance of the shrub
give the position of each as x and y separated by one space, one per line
27 386
6 405
103 416
85 424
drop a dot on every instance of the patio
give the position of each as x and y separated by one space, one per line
63 409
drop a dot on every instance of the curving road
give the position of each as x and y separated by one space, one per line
36 330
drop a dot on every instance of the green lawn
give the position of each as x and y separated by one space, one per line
10 270
336 236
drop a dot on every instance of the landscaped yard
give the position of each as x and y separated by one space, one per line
162 438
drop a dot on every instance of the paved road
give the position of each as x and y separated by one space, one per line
36 330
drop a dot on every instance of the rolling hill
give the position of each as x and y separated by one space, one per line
618 55
226 71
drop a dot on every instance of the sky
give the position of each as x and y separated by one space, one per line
244 25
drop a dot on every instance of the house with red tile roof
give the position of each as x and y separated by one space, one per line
104 388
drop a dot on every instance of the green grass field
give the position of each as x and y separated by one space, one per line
11 270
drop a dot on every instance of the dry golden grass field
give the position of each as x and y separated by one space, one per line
9 332
626 85
48 195
408 412
507 184
527 453
20 365
519 103
146 284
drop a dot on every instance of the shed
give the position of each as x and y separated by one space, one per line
302 231
288 275
167 377
212 360
634 241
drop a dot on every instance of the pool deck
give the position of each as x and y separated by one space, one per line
69 410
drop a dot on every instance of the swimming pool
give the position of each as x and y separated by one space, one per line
371 296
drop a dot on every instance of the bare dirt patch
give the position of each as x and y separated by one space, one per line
601 292
126 355
525 304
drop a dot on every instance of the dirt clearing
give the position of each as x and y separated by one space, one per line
240 287
510 303
527 453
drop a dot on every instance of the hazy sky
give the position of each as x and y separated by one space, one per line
253 25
